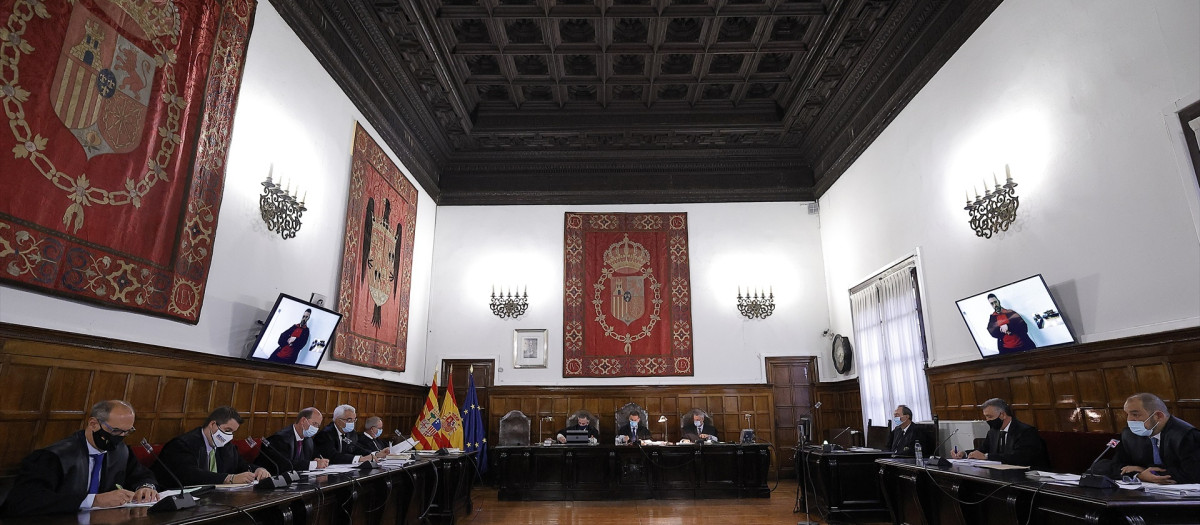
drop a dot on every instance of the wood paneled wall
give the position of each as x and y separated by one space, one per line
51 379
1077 388
727 405
841 407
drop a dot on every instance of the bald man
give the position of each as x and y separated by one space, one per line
1157 447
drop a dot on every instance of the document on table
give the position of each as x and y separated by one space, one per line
1001 466
1054 475
863 449
161 495
974 462
1178 489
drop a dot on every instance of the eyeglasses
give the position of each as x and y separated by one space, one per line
1133 480
348 420
117 431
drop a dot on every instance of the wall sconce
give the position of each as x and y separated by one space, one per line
996 210
759 305
279 210
509 304
663 419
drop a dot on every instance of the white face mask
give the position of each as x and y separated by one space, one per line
1139 428
896 421
376 433
633 425
220 438
311 430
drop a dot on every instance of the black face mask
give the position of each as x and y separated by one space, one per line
995 424
106 441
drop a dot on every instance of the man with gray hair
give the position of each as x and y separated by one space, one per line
1156 447
338 442
91 468
1008 440
371 438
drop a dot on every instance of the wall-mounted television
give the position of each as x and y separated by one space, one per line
296 333
1016 317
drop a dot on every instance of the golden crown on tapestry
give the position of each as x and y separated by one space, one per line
626 256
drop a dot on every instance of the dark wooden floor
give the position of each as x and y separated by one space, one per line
777 509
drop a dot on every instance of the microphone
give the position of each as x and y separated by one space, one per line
936 459
289 476
818 405
1097 481
273 482
170 503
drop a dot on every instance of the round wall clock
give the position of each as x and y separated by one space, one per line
843 354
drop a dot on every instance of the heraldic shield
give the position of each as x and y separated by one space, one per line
626 266
102 86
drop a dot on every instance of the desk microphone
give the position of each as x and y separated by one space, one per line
169 503
844 430
1096 481
274 482
289 476
938 460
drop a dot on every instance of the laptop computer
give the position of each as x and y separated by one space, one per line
576 436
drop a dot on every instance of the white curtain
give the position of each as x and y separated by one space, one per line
891 356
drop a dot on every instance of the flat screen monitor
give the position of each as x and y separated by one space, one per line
297 333
1016 317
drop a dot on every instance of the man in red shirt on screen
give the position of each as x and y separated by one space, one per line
1009 328
292 341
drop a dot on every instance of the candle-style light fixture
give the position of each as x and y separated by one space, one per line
540 421
510 303
756 304
996 209
663 419
279 209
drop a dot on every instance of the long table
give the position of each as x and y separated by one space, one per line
972 495
615 472
438 487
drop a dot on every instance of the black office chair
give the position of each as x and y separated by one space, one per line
622 415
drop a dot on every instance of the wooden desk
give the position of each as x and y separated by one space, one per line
391 496
615 472
842 486
927 496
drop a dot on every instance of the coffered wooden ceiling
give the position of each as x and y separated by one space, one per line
630 101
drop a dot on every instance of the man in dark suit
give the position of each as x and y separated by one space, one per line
905 435
1157 447
201 457
293 447
338 442
371 438
698 428
92 468
633 430
579 421
1008 440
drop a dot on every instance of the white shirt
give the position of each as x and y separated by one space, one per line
92 466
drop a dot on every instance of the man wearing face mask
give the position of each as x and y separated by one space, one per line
370 439
1155 446
202 457
1008 440
633 429
92 468
905 436
579 421
696 429
293 446
339 442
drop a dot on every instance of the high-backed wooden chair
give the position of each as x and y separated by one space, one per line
514 429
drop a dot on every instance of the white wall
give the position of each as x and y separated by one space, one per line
760 245
292 116
1078 96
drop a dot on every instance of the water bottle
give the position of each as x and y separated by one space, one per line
920 455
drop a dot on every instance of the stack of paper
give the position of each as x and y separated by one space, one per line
1181 489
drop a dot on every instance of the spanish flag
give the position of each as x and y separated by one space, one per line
428 428
452 427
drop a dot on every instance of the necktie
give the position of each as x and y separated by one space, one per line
1154 448
299 449
1002 436
98 465
212 460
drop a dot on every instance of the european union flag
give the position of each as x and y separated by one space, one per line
474 435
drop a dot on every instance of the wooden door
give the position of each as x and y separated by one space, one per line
791 380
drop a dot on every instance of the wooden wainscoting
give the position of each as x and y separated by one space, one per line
727 405
51 379
841 407
1078 388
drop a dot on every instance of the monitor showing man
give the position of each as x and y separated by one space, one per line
1008 440
90 468
201 457
633 430
1156 447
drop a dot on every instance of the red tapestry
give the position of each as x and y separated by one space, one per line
381 223
627 302
112 161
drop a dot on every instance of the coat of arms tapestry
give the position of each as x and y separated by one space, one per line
117 119
381 224
627 295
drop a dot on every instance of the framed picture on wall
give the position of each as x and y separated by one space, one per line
530 348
